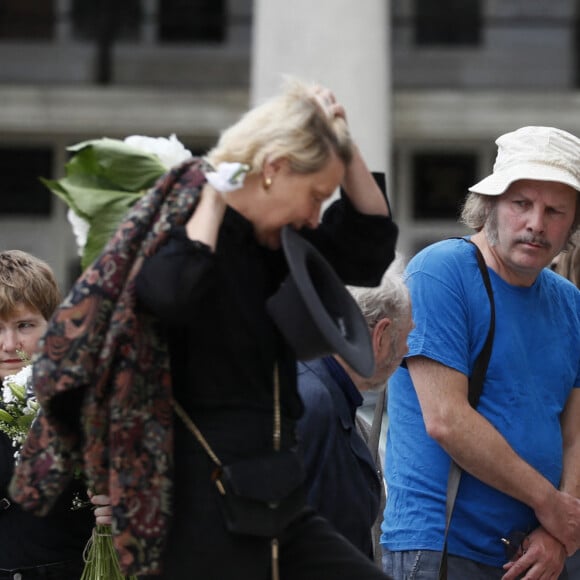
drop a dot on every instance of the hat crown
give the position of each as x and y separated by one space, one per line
539 145
537 153
314 311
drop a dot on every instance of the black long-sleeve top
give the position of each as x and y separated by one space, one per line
223 344
27 540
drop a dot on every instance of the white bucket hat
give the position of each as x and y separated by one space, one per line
541 153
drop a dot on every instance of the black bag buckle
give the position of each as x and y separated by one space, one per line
5 503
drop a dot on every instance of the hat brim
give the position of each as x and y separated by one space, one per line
498 182
315 312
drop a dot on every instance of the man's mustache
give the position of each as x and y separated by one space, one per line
536 240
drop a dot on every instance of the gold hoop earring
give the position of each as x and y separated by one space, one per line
267 182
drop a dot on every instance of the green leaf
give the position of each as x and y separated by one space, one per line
89 201
6 417
61 192
104 223
114 165
24 422
18 391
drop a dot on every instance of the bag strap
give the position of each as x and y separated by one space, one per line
474 393
276 440
276 431
480 366
375 432
188 422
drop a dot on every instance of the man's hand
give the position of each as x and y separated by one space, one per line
560 515
541 557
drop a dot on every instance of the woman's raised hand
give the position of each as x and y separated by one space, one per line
328 103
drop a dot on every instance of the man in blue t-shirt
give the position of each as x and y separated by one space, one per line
520 449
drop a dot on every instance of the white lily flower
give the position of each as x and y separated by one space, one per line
7 394
22 378
170 152
32 406
80 228
228 176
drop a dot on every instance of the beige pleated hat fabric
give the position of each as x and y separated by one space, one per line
541 153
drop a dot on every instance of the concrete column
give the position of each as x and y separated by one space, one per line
62 20
343 44
148 32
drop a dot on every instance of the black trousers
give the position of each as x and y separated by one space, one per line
309 550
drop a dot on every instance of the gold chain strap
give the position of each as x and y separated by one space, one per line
277 431
196 432
276 438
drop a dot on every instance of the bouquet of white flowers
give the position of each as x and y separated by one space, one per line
105 177
18 407
18 410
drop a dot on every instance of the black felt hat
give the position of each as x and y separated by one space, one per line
314 311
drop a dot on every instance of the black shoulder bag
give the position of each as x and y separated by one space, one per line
259 496
474 392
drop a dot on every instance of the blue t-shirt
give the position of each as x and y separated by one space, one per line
534 365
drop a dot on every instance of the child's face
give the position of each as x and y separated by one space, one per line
19 331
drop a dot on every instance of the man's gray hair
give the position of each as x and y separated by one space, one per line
476 210
390 299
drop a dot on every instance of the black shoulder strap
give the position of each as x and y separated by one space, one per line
473 395
480 366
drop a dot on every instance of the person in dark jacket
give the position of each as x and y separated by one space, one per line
31 546
343 482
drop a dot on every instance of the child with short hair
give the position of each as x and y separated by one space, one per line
29 295
50 547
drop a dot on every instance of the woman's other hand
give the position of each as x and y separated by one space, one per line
103 509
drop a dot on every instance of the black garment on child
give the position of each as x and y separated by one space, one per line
55 571
30 545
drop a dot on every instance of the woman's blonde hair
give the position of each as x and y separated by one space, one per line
291 125
26 280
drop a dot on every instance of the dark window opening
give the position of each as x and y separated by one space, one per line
22 193
116 19
448 22
26 20
192 21
440 183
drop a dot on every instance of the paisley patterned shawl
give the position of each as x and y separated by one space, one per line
103 382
